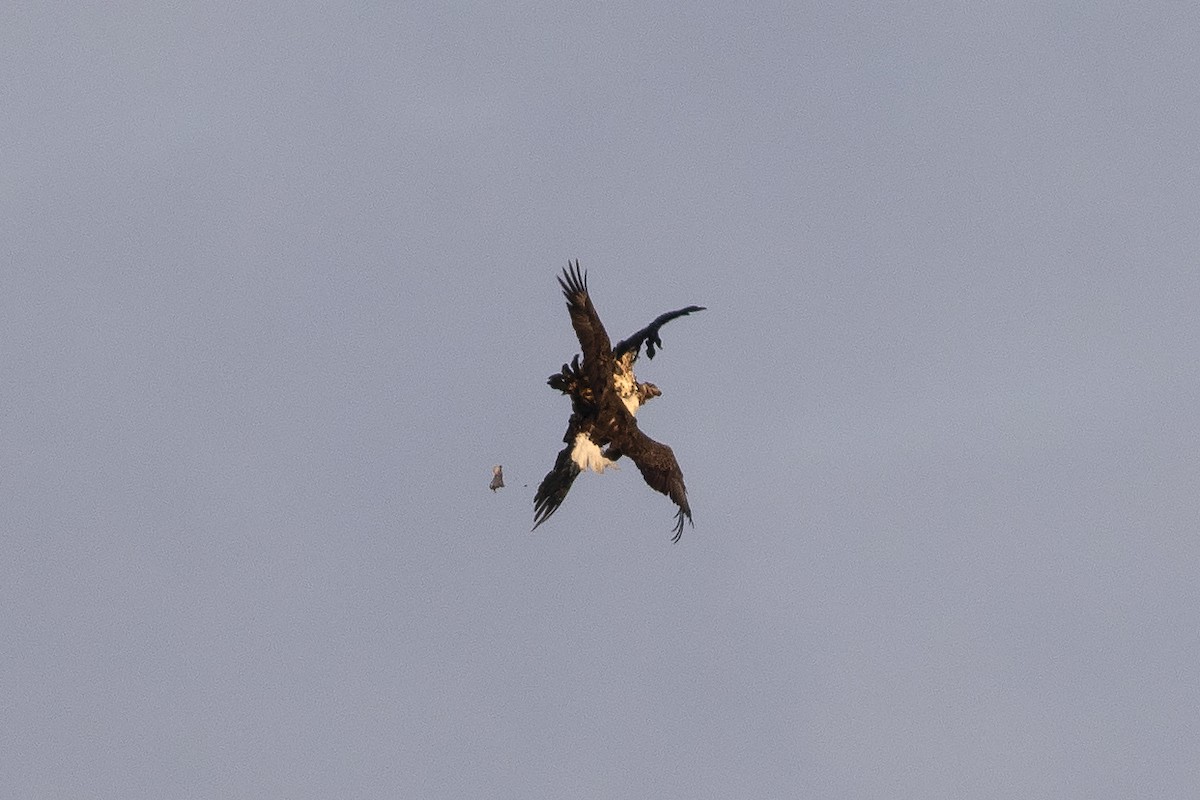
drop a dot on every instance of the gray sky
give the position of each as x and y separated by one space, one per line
278 290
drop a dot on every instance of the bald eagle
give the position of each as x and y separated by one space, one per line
605 396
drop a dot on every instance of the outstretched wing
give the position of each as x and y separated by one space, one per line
659 468
649 334
554 487
593 339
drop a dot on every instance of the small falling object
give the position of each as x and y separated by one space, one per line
497 477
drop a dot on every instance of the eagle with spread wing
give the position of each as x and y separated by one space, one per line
605 396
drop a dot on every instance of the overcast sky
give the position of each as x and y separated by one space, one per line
278 289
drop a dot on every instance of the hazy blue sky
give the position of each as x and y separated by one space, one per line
278 291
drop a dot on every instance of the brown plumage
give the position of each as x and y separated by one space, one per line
604 396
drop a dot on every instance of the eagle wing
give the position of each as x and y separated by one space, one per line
554 487
593 339
659 468
649 334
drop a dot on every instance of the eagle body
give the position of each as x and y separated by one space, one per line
605 397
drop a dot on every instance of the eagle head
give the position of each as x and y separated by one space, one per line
647 390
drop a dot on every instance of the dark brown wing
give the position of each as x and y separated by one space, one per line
554 487
593 339
649 334
659 469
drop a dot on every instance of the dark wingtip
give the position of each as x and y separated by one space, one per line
575 280
679 515
543 510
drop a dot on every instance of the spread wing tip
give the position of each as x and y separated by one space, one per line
542 513
573 280
554 487
678 527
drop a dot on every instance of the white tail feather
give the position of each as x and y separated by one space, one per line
587 455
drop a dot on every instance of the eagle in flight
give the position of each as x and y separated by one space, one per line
605 396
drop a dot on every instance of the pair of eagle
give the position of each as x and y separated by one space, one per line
605 396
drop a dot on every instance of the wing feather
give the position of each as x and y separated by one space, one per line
554 487
593 339
656 461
